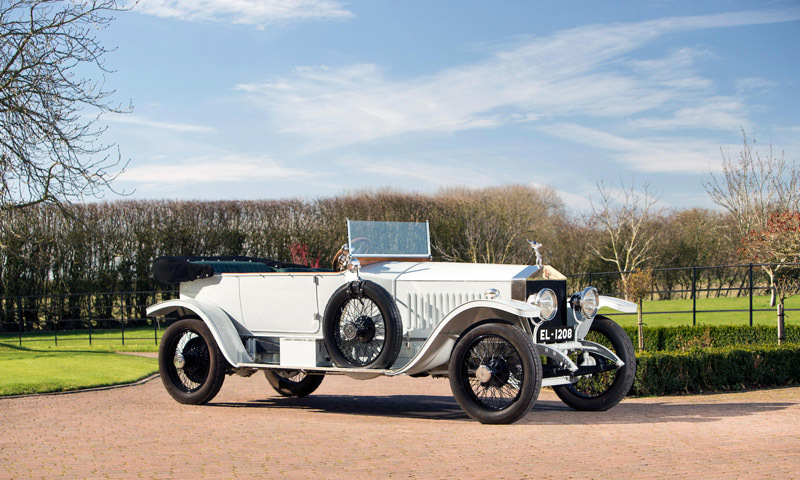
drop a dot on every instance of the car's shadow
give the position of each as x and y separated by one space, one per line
545 412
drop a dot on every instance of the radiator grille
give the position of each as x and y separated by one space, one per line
426 310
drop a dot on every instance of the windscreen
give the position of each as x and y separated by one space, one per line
388 239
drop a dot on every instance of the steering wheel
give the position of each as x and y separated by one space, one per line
360 245
340 258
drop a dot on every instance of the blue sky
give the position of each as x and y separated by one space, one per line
306 98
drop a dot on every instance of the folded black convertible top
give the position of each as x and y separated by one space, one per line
173 270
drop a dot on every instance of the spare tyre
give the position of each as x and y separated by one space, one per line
362 326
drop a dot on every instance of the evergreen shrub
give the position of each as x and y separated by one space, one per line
716 369
686 338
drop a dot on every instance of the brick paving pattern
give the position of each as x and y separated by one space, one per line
392 428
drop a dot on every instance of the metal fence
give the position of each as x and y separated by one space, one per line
746 280
35 318
40 318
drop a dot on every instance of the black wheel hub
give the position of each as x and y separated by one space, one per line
195 357
500 372
362 328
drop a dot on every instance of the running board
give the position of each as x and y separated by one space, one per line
343 370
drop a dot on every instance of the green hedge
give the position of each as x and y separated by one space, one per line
717 369
688 338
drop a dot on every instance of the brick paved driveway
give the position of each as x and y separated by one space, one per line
401 427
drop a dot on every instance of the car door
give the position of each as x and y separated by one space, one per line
280 303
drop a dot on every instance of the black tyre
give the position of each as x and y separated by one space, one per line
495 374
602 391
293 383
191 364
362 326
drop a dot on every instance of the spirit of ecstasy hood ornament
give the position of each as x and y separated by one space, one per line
536 246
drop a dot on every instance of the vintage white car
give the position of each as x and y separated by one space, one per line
499 332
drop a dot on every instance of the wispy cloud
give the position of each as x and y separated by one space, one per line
232 168
715 113
425 174
155 124
754 84
645 154
580 72
248 12
576 201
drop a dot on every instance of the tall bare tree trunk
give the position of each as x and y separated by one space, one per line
641 327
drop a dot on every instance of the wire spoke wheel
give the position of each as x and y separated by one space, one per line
606 388
494 374
291 376
193 370
499 366
191 364
362 326
593 386
293 383
361 332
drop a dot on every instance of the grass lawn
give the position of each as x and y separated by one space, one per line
38 371
39 365
766 317
139 339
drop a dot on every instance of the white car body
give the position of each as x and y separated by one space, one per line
274 320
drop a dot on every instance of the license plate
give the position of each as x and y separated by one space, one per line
555 334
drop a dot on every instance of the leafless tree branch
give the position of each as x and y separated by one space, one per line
627 218
50 147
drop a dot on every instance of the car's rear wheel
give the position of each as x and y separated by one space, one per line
190 362
362 326
494 373
603 390
293 383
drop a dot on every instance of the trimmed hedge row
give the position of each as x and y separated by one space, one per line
688 338
716 369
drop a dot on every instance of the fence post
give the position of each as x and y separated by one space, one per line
590 278
694 295
91 316
21 322
55 321
121 318
155 324
751 294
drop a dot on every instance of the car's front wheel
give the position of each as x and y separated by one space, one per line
293 383
603 390
190 362
495 374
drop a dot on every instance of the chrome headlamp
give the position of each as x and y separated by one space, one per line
547 302
587 301
353 265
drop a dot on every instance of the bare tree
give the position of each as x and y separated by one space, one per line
50 148
753 187
627 218
498 220
640 284
778 243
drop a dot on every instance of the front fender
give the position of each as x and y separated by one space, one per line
437 349
218 321
618 304
613 303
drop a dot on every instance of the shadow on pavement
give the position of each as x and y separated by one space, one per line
407 406
631 412
544 412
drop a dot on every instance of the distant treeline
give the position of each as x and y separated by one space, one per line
110 246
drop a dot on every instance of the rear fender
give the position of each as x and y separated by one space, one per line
437 349
222 325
